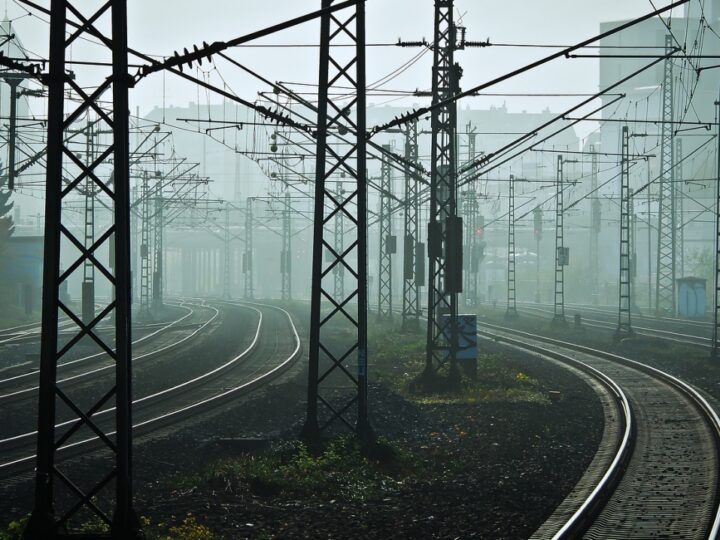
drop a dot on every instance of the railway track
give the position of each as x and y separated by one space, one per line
656 472
75 370
643 328
273 348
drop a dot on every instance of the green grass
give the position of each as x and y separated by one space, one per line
290 470
398 359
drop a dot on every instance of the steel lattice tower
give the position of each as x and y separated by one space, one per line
227 254
145 284
665 277
411 255
66 170
445 227
249 280
286 254
678 182
157 284
342 64
595 224
624 327
88 284
339 243
385 300
471 214
560 250
715 351
511 312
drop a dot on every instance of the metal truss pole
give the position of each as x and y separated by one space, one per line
330 359
88 283
248 258
715 348
560 251
445 227
157 284
624 327
665 277
469 205
145 247
286 255
678 182
227 254
511 312
339 244
411 283
13 82
475 243
65 172
385 300
595 224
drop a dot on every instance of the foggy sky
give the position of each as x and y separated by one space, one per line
159 27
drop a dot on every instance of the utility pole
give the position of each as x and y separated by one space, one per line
13 82
227 254
511 311
665 277
595 224
678 182
123 522
248 257
561 252
715 349
413 252
286 254
537 232
470 214
339 244
145 248
445 227
88 283
624 327
340 67
157 285
387 245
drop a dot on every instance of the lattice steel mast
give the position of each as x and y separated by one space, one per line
560 249
624 327
227 255
715 348
445 227
339 244
286 254
88 283
157 283
595 225
249 278
665 276
61 184
511 311
145 247
340 67
413 252
386 244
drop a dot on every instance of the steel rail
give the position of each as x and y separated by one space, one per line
186 411
693 395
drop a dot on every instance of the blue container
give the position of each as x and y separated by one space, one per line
691 297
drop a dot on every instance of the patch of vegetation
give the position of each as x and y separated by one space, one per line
399 361
290 470
187 529
14 529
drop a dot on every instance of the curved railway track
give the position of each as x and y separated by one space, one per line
75 370
656 474
271 352
641 326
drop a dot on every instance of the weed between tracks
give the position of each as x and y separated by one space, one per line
290 471
398 359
